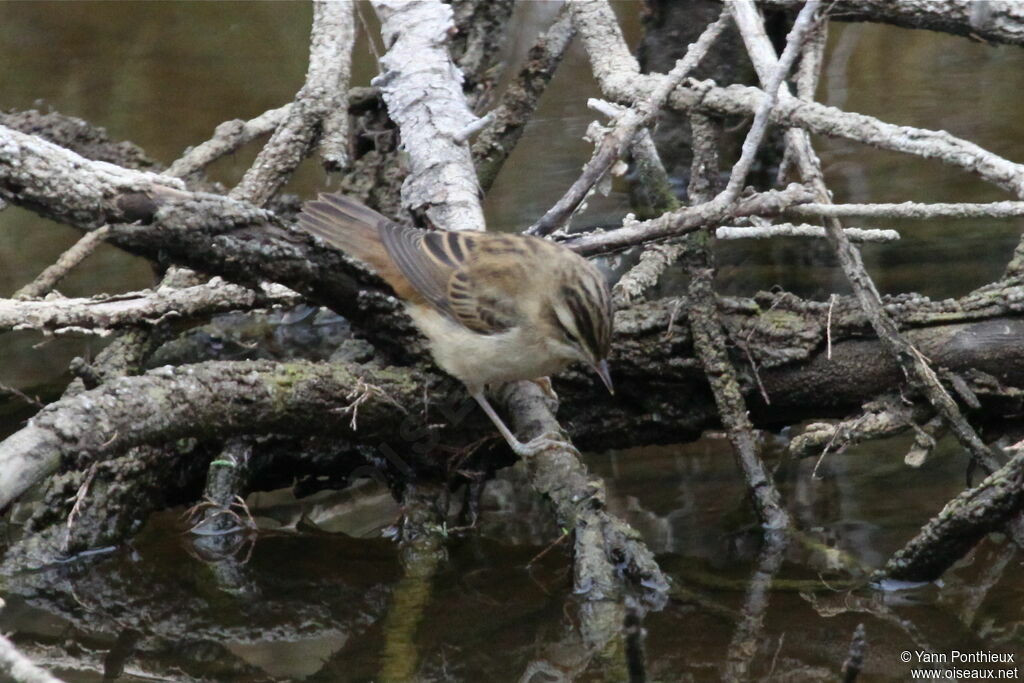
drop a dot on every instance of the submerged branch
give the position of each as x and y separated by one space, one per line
960 525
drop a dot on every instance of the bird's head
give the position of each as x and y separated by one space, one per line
583 314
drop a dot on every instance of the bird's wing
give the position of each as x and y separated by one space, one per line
469 277
355 229
458 274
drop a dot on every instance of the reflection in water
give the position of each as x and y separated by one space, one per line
331 607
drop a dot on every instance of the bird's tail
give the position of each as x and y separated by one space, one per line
346 224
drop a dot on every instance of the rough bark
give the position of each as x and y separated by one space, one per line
100 315
417 69
997 21
960 525
662 396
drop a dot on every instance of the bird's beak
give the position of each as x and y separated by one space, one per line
601 368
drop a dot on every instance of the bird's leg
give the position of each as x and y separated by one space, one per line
521 449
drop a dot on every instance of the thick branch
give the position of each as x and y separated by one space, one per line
997 21
204 401
418 71
206 232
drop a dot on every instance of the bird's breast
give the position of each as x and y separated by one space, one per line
477 359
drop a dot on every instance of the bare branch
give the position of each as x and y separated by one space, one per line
915 366
760 232
961 523
909 210
417 70
794 43
997 21
17 668
688 219
101 315
227 137
518 103
320 96
334 143
53 273
618 139
620 78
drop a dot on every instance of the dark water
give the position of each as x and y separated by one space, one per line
320 596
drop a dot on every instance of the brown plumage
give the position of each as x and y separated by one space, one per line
495 308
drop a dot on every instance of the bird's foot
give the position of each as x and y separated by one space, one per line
541 443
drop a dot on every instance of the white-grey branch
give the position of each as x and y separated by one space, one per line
422 89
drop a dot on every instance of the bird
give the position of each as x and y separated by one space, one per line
494 307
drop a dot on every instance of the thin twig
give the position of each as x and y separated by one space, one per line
794 44
914 366
54 273
760 232
617 140
227 137
914 210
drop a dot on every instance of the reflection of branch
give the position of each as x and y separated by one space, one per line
977 589
743 646
17 668
422 553
855 656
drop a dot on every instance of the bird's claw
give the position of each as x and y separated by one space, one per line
541 443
